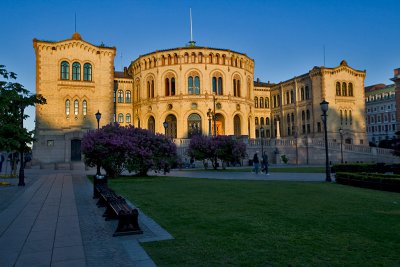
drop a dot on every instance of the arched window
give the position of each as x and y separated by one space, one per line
291 97
308 114
200 57
350 117
266 121
84 107
128 98
170 86
67 107
152 89
266 102
236 87
307 92
287 98
350 89
64 70
186 57
120 96
193 84
76 107
148 89
151 124
76 71
341 116
194 125
256 120
344 89
236 125
338 90
120 118
217 84
87 72
256 102
302 93
288 118
175 59
345 116
171 126
278 97
128 118
303 116
261 102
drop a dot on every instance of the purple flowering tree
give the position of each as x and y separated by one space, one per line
118 148
200 149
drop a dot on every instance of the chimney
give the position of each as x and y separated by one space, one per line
258 80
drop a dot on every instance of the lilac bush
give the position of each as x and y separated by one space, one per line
118 148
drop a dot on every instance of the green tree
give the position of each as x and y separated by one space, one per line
14 98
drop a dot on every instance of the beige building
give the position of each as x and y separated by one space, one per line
182 92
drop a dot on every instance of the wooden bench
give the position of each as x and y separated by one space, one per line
118 209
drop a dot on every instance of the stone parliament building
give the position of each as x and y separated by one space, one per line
185 87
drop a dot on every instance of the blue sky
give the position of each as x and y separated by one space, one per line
285 38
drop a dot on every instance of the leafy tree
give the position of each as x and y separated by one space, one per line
118 148
200 148
14 98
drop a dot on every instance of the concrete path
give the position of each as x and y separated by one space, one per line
54 221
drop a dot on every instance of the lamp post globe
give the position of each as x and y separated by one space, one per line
324 107
98 117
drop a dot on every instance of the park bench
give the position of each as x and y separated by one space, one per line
117 209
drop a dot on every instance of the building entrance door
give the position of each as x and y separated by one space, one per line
76 150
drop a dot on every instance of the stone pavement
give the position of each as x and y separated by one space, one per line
53 221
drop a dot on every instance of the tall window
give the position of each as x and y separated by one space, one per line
128 118
307 92
302 93
236 87
261 102
76 107
84 107
67 107
350 89
87 72
217 84
291 97
115 95
266 102
170 86
338 89
128 98
194 125
120 118
256 120
193 84
64 70
287 98
151 124
76 71
120 96
256 102
344 89
236 125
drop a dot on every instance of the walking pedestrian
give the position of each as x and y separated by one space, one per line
256 163
265 163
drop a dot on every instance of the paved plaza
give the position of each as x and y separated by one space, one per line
54 221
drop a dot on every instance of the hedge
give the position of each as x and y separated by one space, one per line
368 180
367 168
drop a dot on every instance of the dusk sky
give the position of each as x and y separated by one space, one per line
285 38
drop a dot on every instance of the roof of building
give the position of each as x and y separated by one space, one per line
122 74
379 88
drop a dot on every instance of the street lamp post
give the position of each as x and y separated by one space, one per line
214 117
165 124
262 142
210 116
98 117
324 107
341 144
21 177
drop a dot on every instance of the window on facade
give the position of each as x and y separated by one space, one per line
344 89
267 121
151 124
67 107
217 85
345 116
256 102
84 107
64 70
76 107
266 102
256 120
120 118
350 89
341 117
261 102
128 98
278 100
302 93
338 90
236 87
274 106
193 85
170 86
307 92
87 72
350 117
194 125
303 116
261 121
308 114
287 98
291 97
128 118
76 71
120 96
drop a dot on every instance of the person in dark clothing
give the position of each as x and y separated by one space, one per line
265 163
256 163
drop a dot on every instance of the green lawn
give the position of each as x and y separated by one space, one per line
292 169
263 223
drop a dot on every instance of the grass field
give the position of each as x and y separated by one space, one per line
263 223
291 169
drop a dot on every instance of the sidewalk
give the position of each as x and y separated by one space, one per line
54 221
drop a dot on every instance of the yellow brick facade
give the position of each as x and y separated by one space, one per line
178 86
